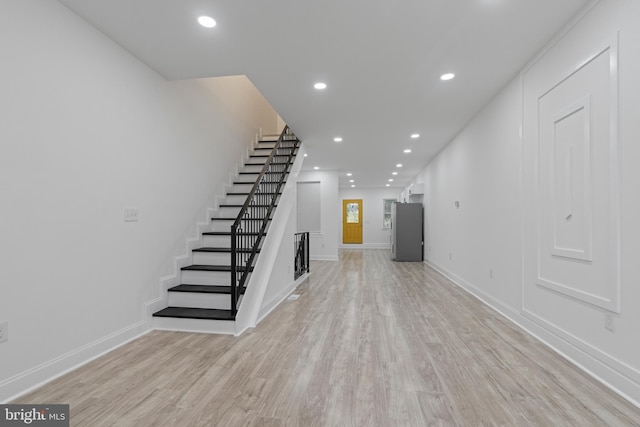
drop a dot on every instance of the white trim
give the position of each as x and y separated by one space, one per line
614 374
31 379
560 35
365 246
323 257
278 299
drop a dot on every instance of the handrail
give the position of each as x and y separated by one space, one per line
249 227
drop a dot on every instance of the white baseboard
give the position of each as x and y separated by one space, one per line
323 257
27 381
386 246
267 308
595 363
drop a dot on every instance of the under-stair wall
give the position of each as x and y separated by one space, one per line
273 276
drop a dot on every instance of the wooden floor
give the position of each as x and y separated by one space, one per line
368 343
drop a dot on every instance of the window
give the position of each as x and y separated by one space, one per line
386 212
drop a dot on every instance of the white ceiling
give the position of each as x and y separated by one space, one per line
381 61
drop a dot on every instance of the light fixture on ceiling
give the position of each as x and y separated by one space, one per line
353 186
407 151
337 139
399 165
415 135
388 185
320 86
390 179
207 21
305 154
349 174
316 168
351 180
394 173
447 76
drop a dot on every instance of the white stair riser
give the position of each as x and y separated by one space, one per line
212 258
191 277
195 325
269 137
235 200
228 212
252 168
225 225
216 241
247 178
242 188
221 225
199 300
222 241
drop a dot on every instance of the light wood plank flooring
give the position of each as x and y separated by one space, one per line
369 342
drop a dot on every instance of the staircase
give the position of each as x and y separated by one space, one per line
212 287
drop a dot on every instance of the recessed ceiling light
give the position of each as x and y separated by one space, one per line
305 154
349 174
316 167
399 165
352 185
207 21
337 139
390 179
447 76
394 173
320 85
415 135
351 180
408 150
388 185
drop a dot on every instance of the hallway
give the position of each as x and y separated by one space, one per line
369 342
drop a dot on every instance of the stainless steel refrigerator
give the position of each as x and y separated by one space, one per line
406 231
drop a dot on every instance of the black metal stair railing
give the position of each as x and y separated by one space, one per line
301 254
251 223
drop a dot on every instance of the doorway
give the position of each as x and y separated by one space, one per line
352 221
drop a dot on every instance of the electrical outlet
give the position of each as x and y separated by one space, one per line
608 322
131 215
4 331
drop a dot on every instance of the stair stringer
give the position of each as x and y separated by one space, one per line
193 242
253 299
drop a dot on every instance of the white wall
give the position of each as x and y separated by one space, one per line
324 245
88 130
485 244
373 235
480 169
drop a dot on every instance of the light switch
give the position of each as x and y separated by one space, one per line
130 215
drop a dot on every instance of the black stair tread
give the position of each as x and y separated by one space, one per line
195 313
271 148
245 193
207 267
234 218
251 206
262 164
203 289
221 250
253 182
248 182
227 233
258 173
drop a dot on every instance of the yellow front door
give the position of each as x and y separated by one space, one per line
352 221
